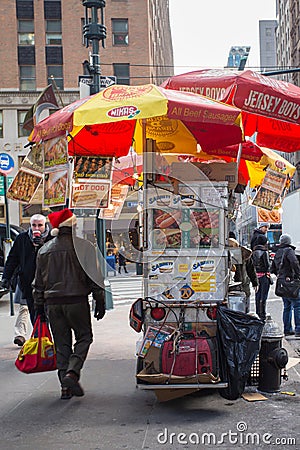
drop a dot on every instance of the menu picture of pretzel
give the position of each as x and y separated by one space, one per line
24 186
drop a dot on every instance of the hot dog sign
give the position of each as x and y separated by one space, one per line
90 194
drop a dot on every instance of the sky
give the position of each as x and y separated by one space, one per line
203 31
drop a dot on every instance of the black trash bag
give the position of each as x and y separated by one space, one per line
239 337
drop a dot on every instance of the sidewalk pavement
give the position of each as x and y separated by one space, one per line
113 414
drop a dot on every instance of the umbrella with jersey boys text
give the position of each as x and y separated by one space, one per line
270 107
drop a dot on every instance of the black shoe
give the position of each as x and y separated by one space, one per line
19 340
297 335
66 393
289 333
71 381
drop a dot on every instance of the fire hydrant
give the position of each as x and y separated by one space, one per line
272 357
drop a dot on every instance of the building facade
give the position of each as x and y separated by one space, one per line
42 42
267 45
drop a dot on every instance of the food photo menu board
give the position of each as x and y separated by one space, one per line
186 261
181 221
187 278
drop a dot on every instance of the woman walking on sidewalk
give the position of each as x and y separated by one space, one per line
286 265
122 259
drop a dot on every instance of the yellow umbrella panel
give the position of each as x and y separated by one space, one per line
271 160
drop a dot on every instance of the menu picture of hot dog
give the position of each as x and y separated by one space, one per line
166 238
167 233
88 194
170 219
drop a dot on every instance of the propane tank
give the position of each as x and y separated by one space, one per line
272 357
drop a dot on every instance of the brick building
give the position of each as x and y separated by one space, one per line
42 40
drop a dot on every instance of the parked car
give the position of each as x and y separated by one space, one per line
14 231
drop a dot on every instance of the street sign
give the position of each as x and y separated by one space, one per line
104 81
107 81
6 163
86 79
9 181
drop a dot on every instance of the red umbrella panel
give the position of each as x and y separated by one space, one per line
270 107
127 169
109 122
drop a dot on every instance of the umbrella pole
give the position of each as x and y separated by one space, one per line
238 160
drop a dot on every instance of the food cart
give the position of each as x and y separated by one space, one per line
187 265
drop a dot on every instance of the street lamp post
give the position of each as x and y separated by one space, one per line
93 32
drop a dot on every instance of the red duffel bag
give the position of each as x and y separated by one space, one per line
38 353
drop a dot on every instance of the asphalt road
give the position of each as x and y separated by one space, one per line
115 415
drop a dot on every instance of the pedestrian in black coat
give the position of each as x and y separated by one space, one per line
122 259
260 231
289 269
23 256
262 267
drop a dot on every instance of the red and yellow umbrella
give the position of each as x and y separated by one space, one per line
251 168
270 107
111 121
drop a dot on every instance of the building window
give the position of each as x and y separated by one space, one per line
268 31
1 124
53 32
52 10
21 131
120 31
121 71
25 32
27 78
25 9
56 73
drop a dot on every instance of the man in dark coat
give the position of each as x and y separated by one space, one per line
22 257
262 264
245 272
67 271
286 265
260 231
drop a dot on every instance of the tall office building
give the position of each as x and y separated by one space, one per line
267 45
43 40
237 57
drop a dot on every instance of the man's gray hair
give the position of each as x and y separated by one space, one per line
37 217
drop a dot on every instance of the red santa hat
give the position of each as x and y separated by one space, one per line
63 218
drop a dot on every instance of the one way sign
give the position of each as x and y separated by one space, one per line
104 81
107 81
